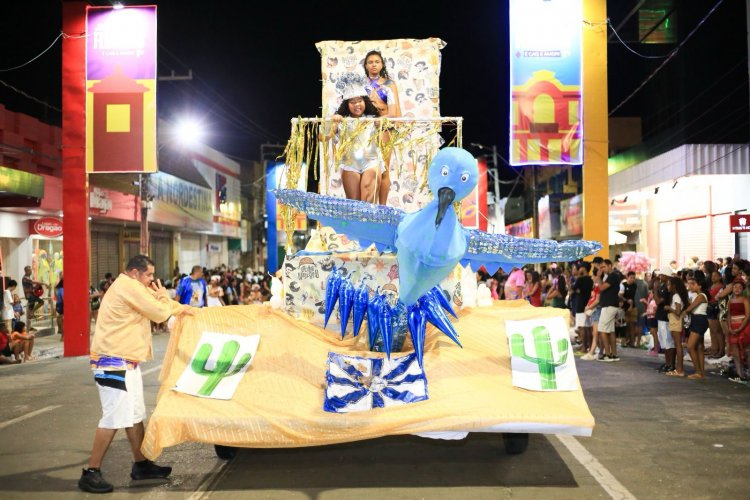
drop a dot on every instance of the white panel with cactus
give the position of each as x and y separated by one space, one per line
541 355
217 365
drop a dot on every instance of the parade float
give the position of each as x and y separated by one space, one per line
377 329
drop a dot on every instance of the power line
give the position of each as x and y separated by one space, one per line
669 57
741 62
30 96
711 125
215 110
628 46
232 106
35 57
674 133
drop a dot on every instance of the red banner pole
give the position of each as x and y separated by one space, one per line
76 319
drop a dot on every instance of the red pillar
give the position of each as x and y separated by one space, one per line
76 323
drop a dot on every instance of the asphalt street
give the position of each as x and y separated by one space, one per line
655 437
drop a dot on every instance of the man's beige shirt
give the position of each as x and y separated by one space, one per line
123 327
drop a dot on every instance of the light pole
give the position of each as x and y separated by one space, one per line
146 198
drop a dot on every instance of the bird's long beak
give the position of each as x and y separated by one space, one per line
445 198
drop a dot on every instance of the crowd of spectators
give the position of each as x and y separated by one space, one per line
667 311
224 287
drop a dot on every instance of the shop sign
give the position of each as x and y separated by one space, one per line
21 183
521 229
571 216
214 247
99 199
179 203
739 223
49 227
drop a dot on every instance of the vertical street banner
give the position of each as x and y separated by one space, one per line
121 89
276 179
546 82
474 206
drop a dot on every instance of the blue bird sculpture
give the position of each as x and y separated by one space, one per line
431 241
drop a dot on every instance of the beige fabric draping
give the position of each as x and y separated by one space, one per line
279 402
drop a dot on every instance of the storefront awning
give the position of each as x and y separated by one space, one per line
684 161
20 189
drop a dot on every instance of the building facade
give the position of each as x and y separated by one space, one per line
194 201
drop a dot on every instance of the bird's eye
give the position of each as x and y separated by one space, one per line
444 172
464 177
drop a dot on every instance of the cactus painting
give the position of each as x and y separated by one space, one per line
222 367
234 356
550 352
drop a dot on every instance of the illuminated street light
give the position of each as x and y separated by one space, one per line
188 132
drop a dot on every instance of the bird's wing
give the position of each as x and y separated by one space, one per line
358 220
501 250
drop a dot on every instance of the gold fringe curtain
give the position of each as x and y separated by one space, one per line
397 139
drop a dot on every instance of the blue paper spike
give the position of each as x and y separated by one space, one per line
509 266
439 294
346 301
373 318
435 315
332 293
417 328
492 267
474 265
361 300
386 326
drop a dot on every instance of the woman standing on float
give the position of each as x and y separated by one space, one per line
383 93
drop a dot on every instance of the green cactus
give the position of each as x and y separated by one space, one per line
544 355
221 370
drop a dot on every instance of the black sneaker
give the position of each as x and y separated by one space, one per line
149 470
93 482
604 358
614 358
662 368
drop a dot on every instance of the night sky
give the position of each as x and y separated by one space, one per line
255 65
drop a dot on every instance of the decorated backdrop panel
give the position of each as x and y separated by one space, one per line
305 279
414 66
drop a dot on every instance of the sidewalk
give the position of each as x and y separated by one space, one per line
48 344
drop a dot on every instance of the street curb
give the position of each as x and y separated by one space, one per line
48 353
